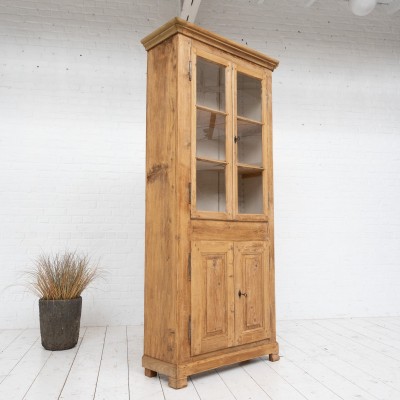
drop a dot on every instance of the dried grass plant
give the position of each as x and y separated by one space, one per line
61 276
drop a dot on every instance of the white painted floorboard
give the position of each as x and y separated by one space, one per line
81 381
335 359
56 371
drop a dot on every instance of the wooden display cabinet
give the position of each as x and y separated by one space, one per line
209 276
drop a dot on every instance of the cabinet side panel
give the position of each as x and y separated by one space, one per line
183 160
160 272
271 204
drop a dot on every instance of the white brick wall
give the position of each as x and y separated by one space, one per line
72 136
336 151
72 146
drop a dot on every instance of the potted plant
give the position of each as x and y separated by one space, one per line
58 280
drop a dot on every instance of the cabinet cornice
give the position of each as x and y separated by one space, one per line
178 25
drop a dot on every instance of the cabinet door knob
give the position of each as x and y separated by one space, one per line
240 294
236 139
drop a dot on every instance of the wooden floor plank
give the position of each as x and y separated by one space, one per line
393 320
375 387
318 341
7 336
383 334
241 384
113 375
55 371
325 331
19 380
332 380
294 373
321 360
82 378
210 386
187 393
276 387
325 328
140 386
384 323
136 331
360 335
17 349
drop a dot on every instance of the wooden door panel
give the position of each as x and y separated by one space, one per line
253 284
215 269
212 288
252 302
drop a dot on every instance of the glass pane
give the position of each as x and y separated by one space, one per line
250 193
249 145
248 97
210 81
210 135
210 186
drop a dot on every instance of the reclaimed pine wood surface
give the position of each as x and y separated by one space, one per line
172 207
331 359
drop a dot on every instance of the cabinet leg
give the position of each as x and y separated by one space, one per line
150 373
177 383
274 357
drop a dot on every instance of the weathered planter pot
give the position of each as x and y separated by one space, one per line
60 323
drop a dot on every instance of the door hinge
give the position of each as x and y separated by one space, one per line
190 266
190 329
190 70
190 193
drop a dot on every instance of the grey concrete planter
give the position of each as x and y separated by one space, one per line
60 323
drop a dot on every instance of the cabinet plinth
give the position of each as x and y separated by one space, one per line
209 264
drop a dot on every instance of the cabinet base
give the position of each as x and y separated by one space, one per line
150 373
178 373
177 383
274 357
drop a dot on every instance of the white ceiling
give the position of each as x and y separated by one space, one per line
391 6
189 8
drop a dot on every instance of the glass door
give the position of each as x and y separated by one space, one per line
229 139
213 119
249 149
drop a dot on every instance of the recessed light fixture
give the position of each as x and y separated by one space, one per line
362 7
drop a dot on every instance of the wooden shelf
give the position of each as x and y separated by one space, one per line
243 168
211 160
211 110
248 121
208 164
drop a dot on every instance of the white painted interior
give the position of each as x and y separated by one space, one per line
72 148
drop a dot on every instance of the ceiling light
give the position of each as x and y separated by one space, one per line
362 7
